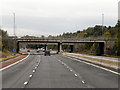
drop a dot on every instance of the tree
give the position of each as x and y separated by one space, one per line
117 44
107 34
42 36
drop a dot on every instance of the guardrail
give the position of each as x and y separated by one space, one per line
104 62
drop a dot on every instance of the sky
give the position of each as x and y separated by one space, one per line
53 17
119 10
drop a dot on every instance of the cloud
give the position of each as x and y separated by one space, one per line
57 16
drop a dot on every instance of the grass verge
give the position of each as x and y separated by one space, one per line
10 57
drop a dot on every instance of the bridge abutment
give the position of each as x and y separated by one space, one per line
109 47
72 48
59 47
101 47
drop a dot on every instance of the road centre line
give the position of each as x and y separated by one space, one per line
83 82
25 83
75 73
30 76
34 70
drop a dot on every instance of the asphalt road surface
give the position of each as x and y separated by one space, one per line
56 71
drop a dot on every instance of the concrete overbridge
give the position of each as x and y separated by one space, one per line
60 42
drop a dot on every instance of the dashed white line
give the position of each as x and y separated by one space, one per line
83 82
76 75
72 71
65 64
25 83
35 67
95 66
33 71
67 67
30 76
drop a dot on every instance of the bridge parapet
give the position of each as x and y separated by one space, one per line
63 40
102 42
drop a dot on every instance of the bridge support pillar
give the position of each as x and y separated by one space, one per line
59 47
17 49
101 45
71 47
45 47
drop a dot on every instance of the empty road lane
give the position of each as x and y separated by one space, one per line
56 71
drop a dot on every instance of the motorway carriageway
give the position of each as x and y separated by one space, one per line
56 71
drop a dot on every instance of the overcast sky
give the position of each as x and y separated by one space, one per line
52 17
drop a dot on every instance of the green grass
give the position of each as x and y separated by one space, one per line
5 59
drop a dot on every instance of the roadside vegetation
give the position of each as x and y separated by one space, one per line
97 33
91 33
6 45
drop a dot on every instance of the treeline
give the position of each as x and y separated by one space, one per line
117 43
92 32
97 32
6 44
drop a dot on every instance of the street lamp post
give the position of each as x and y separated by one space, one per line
14 26
102 24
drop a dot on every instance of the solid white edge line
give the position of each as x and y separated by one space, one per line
95 65
14 63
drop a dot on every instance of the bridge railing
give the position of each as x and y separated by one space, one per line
91 39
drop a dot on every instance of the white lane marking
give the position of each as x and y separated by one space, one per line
67 67
76 75
30 76
25 83
95 66
35 67
14 63
83 82
64 64
33 71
